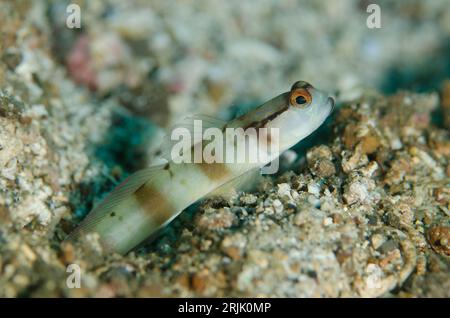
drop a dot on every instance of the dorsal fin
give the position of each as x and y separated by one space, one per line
207 122
126 188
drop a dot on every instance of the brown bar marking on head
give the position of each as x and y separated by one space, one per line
263 122
267 138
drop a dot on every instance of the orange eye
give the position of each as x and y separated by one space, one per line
300 97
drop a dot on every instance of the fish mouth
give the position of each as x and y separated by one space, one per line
330 101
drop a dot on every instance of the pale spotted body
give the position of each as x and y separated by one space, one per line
151 198
152 205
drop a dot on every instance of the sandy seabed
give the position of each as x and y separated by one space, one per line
361 209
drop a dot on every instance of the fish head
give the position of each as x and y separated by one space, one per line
308 107
310 104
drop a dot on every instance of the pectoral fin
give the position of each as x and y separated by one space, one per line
121 192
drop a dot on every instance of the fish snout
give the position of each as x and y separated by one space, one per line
331 103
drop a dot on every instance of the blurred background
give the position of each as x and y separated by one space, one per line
161 60
81 108
167 58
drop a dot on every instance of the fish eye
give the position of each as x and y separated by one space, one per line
300 98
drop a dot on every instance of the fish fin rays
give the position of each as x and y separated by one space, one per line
126 188
188 123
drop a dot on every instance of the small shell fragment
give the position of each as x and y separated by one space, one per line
439 239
